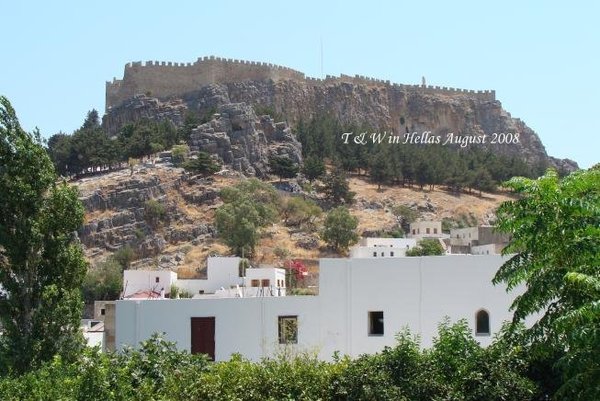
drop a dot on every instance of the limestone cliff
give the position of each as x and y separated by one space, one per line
212 83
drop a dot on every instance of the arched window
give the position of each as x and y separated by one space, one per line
482 323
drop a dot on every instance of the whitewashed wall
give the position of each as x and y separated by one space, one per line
413 292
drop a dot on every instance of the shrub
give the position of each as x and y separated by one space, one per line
154 212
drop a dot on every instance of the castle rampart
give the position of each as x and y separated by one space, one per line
163 79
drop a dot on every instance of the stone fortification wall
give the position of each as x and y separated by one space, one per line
165 79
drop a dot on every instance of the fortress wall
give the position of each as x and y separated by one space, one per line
163 79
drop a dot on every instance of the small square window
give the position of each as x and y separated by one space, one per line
266 282
288 329
435 230
374 254
102 312
157 280
392 253
255 283
376 323
427 230
382 253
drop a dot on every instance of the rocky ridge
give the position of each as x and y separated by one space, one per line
394 108
243 141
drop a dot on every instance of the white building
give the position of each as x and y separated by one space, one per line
481 240
225 277
93 332
382 247
144 284
426 229
362 304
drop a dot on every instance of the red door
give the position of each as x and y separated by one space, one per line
203 336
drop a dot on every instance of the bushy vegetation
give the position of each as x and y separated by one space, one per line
90 148
42 265
202 164
555 228
458 169
339 229
248 206
454 368
283 167
426 247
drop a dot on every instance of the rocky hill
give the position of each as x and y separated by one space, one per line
167 91
118 205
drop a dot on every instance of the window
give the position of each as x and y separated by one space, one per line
435 230
288 329
266 282
392 253
157 280
374 254
427 230
414 231
102 312
482 323
382 253
255 283
376 323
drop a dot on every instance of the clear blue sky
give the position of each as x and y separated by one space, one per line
542 57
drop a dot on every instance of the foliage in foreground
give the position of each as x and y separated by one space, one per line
42 266
455 368
555 228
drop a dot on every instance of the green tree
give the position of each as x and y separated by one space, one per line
380 169
426 247
104 282
405 214
555 239
154 212
297 211
60 149
202 164
179 154
248 206
283 167
238 225
336 187
339 230
313 168
482 181
41 264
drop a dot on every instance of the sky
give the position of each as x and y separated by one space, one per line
541 57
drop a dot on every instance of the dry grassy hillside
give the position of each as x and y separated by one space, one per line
116 218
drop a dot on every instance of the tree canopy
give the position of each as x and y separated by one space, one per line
555 229
339 230
41 263
248 206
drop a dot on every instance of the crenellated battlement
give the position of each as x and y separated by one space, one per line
165 78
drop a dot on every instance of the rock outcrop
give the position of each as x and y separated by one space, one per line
214 84
245 142
117 216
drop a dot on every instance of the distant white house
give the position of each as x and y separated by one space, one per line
481 240
362 304
93 332
225 277
146 284
426 229
382 247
